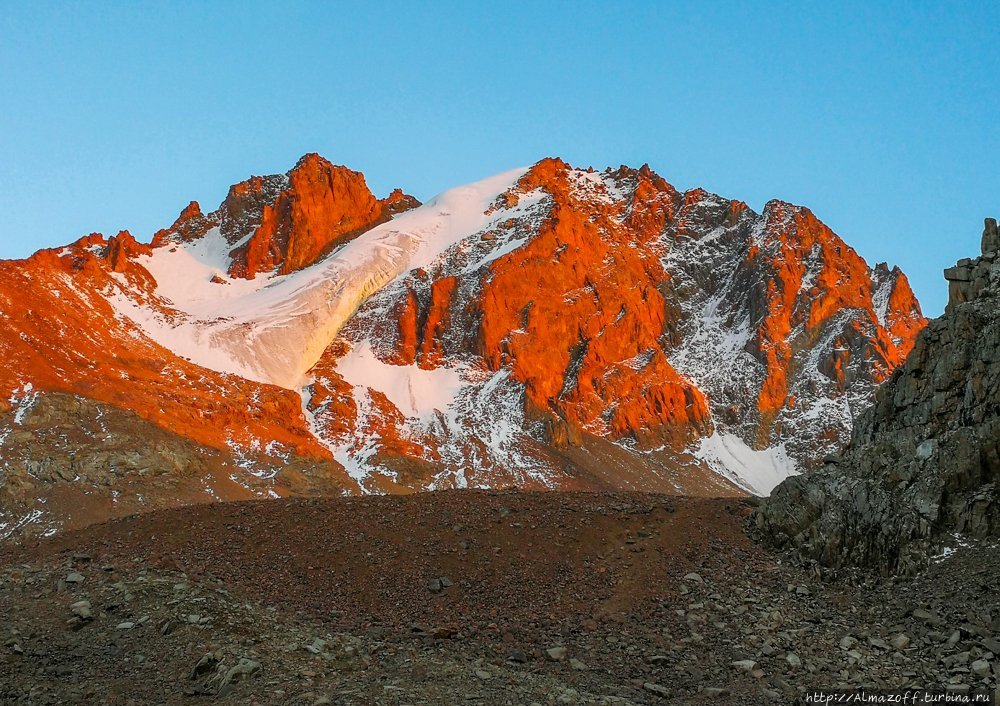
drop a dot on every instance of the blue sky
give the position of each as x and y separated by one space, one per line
881 117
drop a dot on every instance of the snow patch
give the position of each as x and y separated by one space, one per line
948 551
7 529
23 399
414 391
756 470
880 297
597 187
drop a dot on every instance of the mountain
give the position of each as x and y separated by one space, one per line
548 327
923 467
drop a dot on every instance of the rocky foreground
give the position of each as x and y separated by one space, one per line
472 598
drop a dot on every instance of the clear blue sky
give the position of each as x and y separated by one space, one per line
880 116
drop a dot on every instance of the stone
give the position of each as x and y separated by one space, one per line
317 647
518 656
900 641
555 654
847 642
926 616
926 449
656 689
483 675
744 665
434 585
793 660
74 577
959 658
206 664
239 671
991 237
959 273
82 609
981 668
444 632
694 578
991 644
713 692
878 643
568 696
578 665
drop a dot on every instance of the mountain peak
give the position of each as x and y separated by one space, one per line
321 205
568 308
285 222
190 225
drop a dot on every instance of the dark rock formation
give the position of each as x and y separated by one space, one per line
924 461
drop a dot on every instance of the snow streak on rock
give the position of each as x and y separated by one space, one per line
275 328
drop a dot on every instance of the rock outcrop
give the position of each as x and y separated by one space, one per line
284 222
924 461
321 206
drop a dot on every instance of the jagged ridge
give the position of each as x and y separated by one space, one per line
550 327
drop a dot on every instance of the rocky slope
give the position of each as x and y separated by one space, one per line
494 599
68 461
924 464
549 327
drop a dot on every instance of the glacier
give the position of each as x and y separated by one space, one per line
273 329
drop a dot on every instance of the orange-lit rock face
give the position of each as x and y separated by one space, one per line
320 206
596 308
58 333
578 316
190 225
902 317
814 276
630 311
121 248
817 321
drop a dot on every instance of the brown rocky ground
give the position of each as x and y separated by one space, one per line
471 598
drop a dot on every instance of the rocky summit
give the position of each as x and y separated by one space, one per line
549 328
922 470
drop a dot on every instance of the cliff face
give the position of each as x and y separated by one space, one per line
678 326
285 222
924 462
550 327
